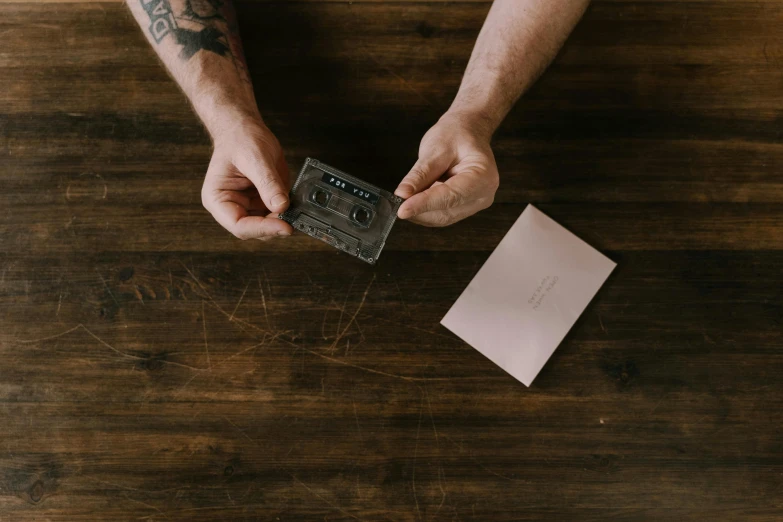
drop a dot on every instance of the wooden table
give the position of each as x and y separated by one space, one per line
155 368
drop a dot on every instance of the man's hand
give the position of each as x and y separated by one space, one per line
246 181
455 175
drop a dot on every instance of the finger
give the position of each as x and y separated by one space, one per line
234 218
235 210
427 169
436 218
439 197
267 179
282 170
442 218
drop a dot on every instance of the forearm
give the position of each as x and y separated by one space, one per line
518 41
199 43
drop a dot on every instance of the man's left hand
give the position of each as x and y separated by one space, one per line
454 177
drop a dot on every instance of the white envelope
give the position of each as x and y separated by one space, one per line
529 293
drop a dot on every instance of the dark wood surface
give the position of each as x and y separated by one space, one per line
152 367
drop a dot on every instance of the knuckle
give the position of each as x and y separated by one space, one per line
442 219
268 180
416 176
435 219
451 199
494 183
240 234
432 141
486 201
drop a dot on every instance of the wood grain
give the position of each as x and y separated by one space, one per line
155 368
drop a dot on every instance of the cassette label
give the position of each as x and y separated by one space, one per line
350 188
341 210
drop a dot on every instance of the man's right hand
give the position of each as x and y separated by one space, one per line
247 182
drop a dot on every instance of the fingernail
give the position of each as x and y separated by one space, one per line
404 190
279 200
283 233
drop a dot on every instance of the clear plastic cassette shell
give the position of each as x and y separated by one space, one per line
341 210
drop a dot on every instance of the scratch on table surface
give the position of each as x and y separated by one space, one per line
150 291
268 286
356 416
377 372
601 322
138 294
214 508
196 279
359 327
415 456
402 299
59 304
237 354
432 419
323 324
482 466
406 325
145 504
104 343
204 324
236 320
105 284
294 477
130 488
219 308
263 302
263 342
442 491
345 303
656 405
212 302
239 302
240 430
120 352
182 292
341 334
326 501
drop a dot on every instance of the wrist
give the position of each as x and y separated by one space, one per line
226 120
222 111
476 121
482 104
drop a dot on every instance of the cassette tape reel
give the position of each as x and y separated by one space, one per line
341 210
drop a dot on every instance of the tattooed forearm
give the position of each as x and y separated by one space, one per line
198 25
162 21
203 12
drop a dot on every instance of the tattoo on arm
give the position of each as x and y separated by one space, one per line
198 25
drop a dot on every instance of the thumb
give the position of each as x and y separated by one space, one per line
428 169
263 173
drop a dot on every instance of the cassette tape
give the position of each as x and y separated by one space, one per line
341 210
